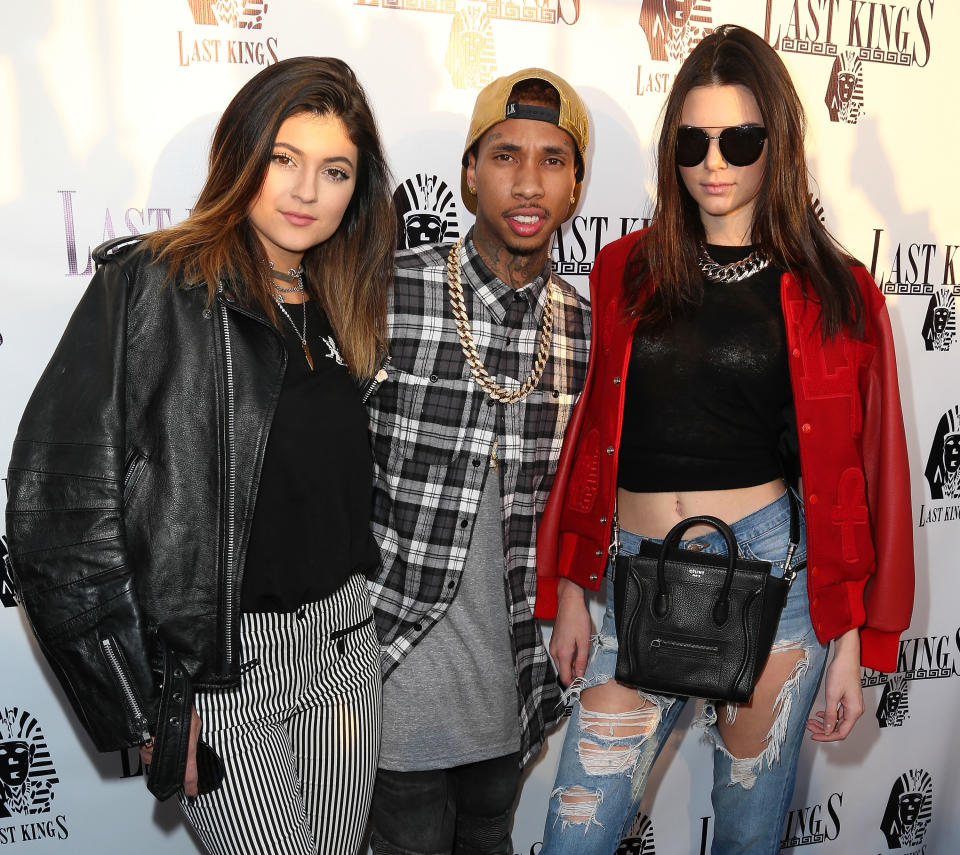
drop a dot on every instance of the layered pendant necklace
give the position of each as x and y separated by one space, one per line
294 276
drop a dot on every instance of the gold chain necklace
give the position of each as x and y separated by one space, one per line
469 346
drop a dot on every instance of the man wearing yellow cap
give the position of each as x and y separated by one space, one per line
488 354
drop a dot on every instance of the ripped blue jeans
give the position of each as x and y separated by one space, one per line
602 775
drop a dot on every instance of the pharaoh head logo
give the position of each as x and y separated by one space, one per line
239 14
940 322
844 98
426 212
471 55
909 809
27 775
674 27
639 838
943 464
893 708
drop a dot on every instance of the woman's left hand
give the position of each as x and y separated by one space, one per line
190 773
190 777
844 696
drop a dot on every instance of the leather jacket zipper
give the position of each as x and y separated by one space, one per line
126 687
134 468
368 385
231 492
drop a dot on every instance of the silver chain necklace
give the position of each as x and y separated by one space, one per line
735 271
298 275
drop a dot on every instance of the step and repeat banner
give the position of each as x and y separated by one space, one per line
107 111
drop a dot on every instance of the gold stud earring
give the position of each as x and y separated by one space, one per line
473 190
573 200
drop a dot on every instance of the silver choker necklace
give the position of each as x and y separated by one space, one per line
293 276
735 271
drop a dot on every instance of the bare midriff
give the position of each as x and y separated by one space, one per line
654 514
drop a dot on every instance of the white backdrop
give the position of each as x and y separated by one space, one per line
107 111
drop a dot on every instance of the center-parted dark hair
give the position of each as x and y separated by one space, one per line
785 224
349 272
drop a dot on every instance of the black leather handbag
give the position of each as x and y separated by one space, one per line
698 624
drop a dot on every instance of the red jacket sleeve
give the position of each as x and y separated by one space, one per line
888 596
549 568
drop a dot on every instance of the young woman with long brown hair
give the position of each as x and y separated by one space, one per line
191 483
736 347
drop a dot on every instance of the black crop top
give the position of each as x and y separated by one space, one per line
311 524
707 402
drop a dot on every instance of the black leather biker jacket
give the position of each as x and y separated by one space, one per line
132 484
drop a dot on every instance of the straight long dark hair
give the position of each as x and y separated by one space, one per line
662 278
350 272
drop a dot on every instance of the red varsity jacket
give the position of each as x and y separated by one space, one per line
853 460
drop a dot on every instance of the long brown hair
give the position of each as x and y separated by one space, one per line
349 273
785 225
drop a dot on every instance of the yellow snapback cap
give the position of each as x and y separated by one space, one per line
494 106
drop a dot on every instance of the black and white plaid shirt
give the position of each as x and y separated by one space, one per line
433 432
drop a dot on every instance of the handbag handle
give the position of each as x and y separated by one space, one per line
721 608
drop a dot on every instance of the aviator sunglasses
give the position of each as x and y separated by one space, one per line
739 146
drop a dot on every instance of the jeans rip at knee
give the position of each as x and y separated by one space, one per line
611 743
744 771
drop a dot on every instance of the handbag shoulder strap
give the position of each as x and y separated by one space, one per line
613 550
789 571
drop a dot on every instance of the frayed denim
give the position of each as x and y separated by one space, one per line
607 757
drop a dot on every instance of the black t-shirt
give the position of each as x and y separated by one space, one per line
707 401
311 524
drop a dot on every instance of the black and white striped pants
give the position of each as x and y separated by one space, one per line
299 737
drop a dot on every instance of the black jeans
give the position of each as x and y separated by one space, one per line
465 810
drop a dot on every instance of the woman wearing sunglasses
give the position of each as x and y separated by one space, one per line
736 348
